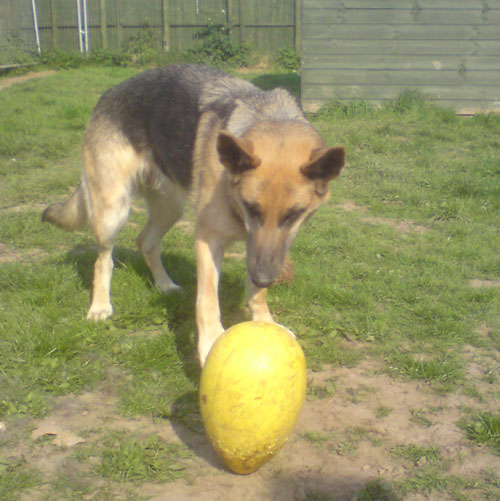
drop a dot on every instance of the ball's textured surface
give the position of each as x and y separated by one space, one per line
251 391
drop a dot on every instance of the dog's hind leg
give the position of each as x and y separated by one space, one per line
109 194
106 220
164 208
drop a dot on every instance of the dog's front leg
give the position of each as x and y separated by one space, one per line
209 254
257 302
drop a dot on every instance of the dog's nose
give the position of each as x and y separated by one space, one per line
261 279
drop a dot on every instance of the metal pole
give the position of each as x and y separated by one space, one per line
79 16
35 23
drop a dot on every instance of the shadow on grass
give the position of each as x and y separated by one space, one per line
288 81
180 305
188 425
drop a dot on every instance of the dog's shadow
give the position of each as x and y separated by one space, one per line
180 305
185 417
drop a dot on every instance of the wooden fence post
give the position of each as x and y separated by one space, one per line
166 27
298 24
241 21
119 32
104 31
53 20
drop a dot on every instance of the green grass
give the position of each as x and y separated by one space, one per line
417 455
484 428
364 287
135 460
15 477
378 490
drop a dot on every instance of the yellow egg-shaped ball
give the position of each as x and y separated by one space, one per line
252 388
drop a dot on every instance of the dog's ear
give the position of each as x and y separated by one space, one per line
236 154
325 164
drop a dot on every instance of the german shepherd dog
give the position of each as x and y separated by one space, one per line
255 166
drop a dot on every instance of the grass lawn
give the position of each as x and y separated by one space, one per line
401 268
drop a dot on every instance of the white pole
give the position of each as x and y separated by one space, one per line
35 23
85 25
79 16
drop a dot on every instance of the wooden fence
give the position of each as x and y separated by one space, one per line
112 23
375 49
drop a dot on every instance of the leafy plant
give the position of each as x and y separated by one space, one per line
59 59
15 50
143 46
288 58
109 58
217 48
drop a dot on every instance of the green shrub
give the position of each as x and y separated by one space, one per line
217 48
17 51
142 47
108 58
338 109
60 59
288 59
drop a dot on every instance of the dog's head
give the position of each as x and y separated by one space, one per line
280 175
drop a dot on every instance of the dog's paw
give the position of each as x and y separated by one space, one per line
99 313
205 343
168 288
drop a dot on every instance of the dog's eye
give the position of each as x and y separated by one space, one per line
253 210
292 216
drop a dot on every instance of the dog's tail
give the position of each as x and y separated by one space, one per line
71 214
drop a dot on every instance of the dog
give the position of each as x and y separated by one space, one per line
255 166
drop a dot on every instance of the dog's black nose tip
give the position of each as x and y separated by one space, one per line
263 285
262 280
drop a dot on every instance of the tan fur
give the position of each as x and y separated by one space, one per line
258 187
276 184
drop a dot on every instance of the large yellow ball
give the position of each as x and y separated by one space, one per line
252 388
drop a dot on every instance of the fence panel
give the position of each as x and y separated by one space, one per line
16 20
373 50
113 24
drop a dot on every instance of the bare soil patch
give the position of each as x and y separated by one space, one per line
479 283
350 425
9 255
405 226
8 81
351 206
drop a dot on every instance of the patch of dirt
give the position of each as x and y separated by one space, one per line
9 255
402 226
23 207
342 441
405 226
351 206
8 81
478 283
